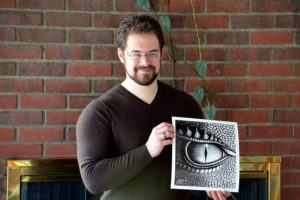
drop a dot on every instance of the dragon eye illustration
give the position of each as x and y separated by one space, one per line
203 151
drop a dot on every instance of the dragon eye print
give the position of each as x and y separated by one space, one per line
204 152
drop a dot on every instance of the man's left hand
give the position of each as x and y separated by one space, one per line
218 195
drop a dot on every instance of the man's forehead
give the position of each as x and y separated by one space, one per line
140 41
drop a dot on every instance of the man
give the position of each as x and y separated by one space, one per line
124 136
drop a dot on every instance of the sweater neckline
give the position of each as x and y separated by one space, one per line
138 100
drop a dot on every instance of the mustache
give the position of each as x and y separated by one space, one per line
145 67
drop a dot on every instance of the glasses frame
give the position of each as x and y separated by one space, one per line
137 55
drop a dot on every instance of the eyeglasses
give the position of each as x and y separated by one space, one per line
136 56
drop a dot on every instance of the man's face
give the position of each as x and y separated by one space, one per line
141 58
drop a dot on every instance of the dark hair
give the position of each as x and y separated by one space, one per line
139 24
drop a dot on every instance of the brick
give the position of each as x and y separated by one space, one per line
80 101
91 5
7 4
297 69
185 38
20 18
3 196
8 102
41 69
271 6
109 20
119 69
20 85
290 116
230 38
180 70
249 116
250 85
208 54
3 184
41 134
182 6
105 85
7 69
20 150
41 35
270 69
178 21
67 52
216 85
249 21
286 162
243 132
271 38
286 85
7 34
36 4
286 147
17 118
250 54
20 52
285 193
105 53
296 100
286 54
297 131
42 102
60 150
231 101
255 147
290 178
67 86
89 69
62 117
3 165
296 163
71 134
230 6
269 101
90 37
7 134
68 19
208 21
226 70
285 21
269 131
121 5
296 190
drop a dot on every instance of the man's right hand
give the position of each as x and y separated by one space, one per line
161 135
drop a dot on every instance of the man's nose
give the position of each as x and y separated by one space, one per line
144 59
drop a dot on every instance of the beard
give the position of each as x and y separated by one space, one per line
143 79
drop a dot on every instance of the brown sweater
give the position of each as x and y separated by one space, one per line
111 135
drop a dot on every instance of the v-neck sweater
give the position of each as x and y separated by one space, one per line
111 135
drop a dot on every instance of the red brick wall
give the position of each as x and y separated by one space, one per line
57 55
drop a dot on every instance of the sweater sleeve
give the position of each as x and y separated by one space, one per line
100 169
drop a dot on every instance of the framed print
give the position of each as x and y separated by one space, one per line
205 155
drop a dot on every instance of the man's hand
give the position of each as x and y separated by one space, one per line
160 136
218 195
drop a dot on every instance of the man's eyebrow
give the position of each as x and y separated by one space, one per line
138 51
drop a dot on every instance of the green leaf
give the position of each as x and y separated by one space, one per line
143 4
165 24
198 93
210 112
201 68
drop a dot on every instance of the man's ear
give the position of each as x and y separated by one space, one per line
121 55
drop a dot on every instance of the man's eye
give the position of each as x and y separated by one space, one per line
137 55
152 54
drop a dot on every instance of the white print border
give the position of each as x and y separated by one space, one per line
191 176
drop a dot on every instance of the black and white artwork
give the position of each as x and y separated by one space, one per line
205 155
